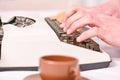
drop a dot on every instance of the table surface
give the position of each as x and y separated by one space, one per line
110 73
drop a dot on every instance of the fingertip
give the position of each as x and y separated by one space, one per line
68 31
78 39
62 25
87 34
65 29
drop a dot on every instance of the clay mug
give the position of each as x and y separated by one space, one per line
58 67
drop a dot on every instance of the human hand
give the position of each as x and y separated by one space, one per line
103 26
111 8
79 17
106 28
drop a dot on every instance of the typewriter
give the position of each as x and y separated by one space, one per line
22 47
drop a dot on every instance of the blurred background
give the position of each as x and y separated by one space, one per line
45 4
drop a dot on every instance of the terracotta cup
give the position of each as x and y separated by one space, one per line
57 67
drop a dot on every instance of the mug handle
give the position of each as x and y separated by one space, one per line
75 71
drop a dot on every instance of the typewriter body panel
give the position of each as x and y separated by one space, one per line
22 48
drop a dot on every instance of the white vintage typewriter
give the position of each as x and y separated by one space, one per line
21 48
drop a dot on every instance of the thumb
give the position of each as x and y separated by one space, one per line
88 34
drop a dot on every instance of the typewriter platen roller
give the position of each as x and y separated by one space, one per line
71 39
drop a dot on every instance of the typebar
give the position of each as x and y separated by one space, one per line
71 39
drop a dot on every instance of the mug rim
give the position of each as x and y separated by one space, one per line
67 59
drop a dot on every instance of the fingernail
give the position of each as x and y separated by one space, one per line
68 31
78 39
65 30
